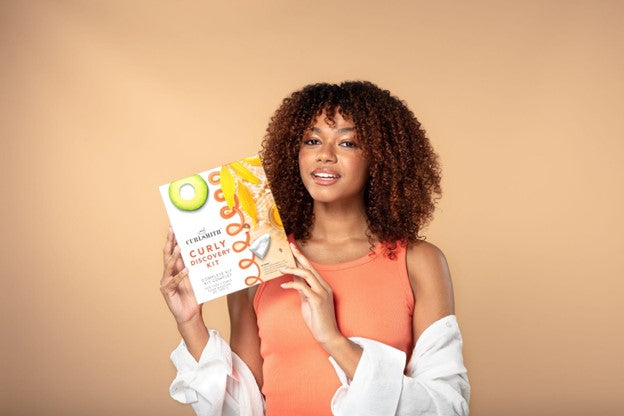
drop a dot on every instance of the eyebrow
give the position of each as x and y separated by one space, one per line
342 130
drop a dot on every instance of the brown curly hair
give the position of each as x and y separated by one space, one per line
404 173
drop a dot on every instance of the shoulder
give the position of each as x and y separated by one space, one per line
430 278
425 261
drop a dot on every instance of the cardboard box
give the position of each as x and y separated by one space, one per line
228 228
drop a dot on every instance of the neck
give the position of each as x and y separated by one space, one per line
337 222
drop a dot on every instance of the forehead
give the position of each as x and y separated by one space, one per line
339 122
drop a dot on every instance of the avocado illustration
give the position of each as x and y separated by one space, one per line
197 201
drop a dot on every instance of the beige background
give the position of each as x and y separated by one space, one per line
101 102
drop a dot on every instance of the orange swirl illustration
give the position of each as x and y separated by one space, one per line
235 228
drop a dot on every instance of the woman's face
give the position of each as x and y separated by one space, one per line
331 161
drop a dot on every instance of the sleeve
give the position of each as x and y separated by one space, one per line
434 383
219 384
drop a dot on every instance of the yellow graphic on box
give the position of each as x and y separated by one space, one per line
232 188
276 220
253 160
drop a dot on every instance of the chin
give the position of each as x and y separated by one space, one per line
327 196
322 196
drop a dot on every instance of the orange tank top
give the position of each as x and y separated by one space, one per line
373 299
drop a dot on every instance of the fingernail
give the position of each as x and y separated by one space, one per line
185 270
284 285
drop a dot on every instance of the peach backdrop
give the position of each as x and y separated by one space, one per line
104 101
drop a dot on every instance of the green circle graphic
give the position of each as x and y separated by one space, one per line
199 199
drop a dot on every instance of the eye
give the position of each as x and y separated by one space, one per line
348 144
311 141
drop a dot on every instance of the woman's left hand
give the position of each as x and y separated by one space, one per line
317 299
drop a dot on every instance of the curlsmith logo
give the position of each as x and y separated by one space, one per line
202 235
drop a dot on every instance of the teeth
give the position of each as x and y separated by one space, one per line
325 175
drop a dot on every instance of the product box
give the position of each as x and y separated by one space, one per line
228 228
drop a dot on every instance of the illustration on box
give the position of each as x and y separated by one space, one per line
228 228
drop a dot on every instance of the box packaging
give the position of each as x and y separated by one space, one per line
228 228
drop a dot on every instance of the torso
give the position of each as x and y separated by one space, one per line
373 299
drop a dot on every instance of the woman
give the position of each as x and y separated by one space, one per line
355 180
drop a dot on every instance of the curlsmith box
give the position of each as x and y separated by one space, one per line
228 228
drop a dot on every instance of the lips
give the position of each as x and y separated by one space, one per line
325 176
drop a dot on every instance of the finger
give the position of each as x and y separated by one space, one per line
301 287
302 260
302 296
299 257
174 282
179 264
168 245
307 276
171 261
299 279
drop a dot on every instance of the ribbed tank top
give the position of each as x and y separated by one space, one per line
372 298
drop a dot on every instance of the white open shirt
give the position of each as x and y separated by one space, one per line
435 381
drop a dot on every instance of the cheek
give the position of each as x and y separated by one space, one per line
302 168
301 163
303 156
363 168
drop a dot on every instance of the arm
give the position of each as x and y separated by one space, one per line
215 380
178 294
435 382
195 335
244 338
222 382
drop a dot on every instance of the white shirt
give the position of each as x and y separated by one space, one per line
435 381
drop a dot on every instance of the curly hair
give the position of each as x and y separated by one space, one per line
404 173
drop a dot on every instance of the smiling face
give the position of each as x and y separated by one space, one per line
331 161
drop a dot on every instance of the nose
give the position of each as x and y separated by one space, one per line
326 153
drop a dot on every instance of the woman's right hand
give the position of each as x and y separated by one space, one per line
175 285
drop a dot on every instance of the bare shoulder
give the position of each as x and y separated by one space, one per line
431 282
426 261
